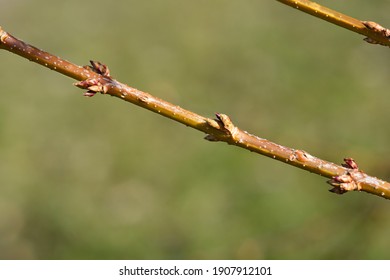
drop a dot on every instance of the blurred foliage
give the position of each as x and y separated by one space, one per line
97 178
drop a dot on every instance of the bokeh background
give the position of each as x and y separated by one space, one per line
98 178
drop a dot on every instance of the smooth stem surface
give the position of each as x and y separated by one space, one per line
97 79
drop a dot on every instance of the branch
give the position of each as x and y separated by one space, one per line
97 78
375 33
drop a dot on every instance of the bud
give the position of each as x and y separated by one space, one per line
373 26
342 184
93 85
89 93
345 178
378 29
87 83
350 163
100 68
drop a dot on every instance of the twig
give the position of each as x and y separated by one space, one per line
97 78
375 33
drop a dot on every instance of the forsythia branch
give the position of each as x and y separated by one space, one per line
375 33
97 78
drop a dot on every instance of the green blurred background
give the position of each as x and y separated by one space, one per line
98 178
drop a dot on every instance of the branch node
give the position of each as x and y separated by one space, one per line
382 31
348 181
227 125
342 184
95 85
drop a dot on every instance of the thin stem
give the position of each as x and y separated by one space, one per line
96 78
373 35
117 89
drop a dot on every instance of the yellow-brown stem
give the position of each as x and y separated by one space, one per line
339 19
97 79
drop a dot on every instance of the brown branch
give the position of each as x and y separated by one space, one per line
97 78
375 33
